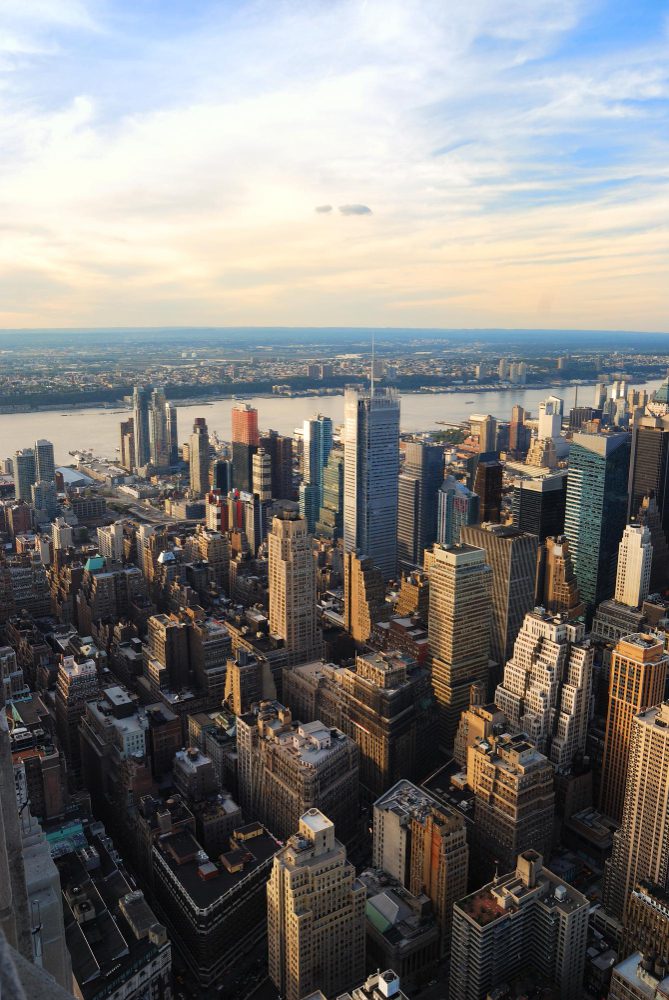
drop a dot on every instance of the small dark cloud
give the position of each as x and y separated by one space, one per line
355 210
322 209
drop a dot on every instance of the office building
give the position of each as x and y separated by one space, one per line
262 475
160 430
371 468
527 922
550 418
519 434
512 557
245 424
542 454
649 465
546 687
646 920
24 469
514 800
488 487
595 514
292 587
538 504
127 449
110 542
477 723
330 522
141 426
641 845
383 701
649 515
637 682
423 845
456 506
557 589
45 465
459 630
483 427
199 457
280 450
315 913
44 500
419 481
77 683
287 767
635 559
245 442
364 596
317 443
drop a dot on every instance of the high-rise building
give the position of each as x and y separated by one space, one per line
280 450
262 475
110 541
172 433
287 767
160 430
77 683
458 628
641 845
371 468
519 434
649 466
24 469
635 559
245 442
167 659
383 701
488 487
527 921
199 457
456 506
61 534
424 846
245 424
546 688
330 522
550 418
538 504
364 596
637 681
646 916
419 482
292 587
595 510
127 449
315 913
44 499
557 589
45 465
514 800
649 515
317 440
141 426
484 428
512 557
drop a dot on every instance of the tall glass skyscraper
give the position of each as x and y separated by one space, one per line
140 414
160 431
595 514
317 436
45 466
419 482
371 469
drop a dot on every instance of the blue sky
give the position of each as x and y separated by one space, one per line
161 163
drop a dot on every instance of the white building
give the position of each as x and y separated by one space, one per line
550 418
635 558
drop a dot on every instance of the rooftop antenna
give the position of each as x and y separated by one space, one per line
371 373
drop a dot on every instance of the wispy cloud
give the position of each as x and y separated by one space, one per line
177 152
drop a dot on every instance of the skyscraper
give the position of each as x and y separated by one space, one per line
546 687
45 466
199 457
127 429
538 504
419 482
557 589
635 558
315 914
488 487
550 418
512 558
649 515
24 471
371 467
245 424
317 437
484 428
649 466
280 450
595 511
331 516
641 845
456 506
262 475
141 426
364 596
245 442
292 587
527 920
519 434
159 417
172 433
637 680
458 629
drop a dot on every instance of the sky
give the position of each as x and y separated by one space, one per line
409 163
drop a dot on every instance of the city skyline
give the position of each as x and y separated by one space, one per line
484 166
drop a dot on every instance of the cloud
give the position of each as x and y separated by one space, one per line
355 210
503 144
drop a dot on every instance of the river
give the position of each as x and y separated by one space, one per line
97 430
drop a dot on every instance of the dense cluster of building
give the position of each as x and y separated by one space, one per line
367 715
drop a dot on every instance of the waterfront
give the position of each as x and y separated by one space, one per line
97 430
